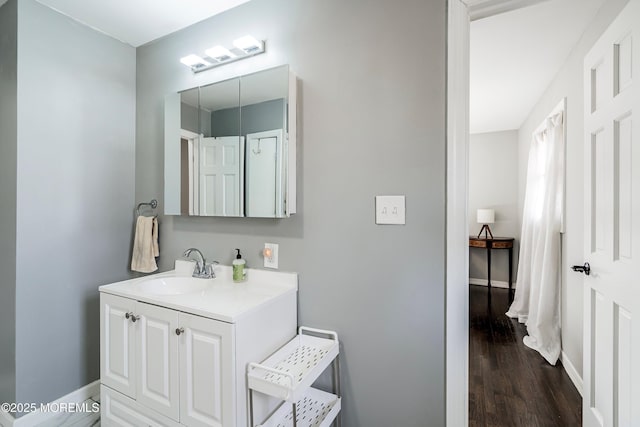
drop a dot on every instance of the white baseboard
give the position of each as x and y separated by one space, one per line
494 283
37 417
571 371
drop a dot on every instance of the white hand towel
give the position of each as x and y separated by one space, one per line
145 245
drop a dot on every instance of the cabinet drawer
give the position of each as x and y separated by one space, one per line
502 245
118 410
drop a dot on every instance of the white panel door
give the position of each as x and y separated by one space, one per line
157 352
209 176
206 372
222 176
612 225
265 174
117 342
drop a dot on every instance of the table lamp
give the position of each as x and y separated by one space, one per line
486 217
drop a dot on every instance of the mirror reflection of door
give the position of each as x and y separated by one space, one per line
189 204
221 175
184 176
265 174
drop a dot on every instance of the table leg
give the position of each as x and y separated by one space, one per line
510 269
489 264
295 415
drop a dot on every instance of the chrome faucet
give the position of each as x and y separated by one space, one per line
202 269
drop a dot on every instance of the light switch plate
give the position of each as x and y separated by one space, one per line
271 261
390 210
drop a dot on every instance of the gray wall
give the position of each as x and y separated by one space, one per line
8 150
493 184
569 83
255 118
260 117
75 201
367 125
189 119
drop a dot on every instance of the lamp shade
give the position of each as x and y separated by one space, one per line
486 216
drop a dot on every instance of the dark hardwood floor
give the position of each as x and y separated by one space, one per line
511 385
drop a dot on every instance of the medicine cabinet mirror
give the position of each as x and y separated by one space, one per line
230 147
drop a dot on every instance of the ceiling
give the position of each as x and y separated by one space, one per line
137 22
516 55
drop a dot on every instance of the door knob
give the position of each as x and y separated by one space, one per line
179 331
586 268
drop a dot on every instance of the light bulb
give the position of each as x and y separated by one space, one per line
219 53
193 60
248 44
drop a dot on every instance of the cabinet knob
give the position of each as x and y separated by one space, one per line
179 331
131 317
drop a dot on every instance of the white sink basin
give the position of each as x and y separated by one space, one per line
173 285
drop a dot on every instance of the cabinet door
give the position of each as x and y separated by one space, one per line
157 352
207 388
117 342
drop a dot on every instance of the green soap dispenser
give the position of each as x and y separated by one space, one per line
238 268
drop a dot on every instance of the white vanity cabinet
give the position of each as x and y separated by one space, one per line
163 365
185 376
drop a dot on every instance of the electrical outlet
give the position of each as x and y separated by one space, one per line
270 253
390 210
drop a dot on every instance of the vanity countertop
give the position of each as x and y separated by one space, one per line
222 299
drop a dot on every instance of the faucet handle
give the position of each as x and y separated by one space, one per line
209 269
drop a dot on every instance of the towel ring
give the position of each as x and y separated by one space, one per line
153 203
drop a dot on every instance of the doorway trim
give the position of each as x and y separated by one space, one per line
459 15
457 233
479 9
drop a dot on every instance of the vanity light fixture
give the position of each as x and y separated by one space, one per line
244 47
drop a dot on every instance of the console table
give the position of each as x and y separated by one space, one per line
494 243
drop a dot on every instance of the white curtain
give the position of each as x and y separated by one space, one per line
537 298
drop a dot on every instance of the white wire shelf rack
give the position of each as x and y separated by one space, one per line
288 375
315 408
